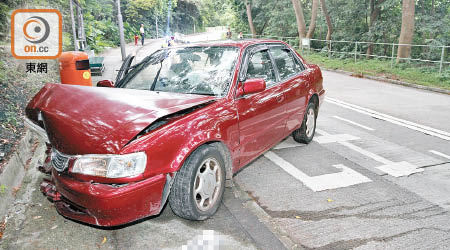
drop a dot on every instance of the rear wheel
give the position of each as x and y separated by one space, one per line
306 132
198 187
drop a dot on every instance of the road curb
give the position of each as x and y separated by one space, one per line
14 171
263 217
387 80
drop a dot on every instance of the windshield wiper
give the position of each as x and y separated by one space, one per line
199 93
152 87
151 59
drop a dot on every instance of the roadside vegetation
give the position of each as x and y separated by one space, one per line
16 89
376 24
405 72
100 18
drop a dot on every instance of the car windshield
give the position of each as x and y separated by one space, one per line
190 70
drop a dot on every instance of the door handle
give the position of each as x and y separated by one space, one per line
280 98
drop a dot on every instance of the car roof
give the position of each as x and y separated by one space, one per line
236 43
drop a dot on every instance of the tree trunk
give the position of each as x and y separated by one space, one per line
264 26
301 26
374 13
249 17
328 18
423 7
432 8
407 31
312 24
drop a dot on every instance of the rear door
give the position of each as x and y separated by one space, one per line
262 115
295 83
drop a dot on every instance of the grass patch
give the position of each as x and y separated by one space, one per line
412 72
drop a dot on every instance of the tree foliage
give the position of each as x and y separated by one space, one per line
351 19
100 18
377 21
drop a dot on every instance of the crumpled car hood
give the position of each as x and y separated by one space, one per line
91 120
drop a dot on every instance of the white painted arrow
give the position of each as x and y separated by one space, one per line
347 177
396 169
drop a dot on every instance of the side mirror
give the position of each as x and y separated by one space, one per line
252 86
105 83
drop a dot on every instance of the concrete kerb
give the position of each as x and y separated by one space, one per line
387 80
250 204
15 170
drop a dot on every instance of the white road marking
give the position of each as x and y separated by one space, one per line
440 154
354 123
396 169
289 143
347 177
408 124
335 138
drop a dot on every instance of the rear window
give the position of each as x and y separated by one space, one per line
286 64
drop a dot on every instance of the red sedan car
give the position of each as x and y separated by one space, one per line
175 127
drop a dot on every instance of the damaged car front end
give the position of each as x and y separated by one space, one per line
108 188
102 204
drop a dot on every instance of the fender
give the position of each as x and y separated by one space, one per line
317 82
179 138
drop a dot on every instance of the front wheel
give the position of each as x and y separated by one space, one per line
306 132
198 187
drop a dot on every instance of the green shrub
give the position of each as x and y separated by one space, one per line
413 72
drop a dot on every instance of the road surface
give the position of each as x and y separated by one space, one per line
376 176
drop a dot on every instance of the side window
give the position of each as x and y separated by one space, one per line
260 66
299 64
286 64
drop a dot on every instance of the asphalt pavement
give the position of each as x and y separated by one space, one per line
376 176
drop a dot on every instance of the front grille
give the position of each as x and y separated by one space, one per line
59 161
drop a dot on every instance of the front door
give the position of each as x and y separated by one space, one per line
262 116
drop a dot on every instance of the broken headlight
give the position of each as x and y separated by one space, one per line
111 166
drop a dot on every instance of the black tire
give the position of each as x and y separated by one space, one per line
183 199
301 135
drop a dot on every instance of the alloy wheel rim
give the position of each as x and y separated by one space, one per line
310 122
207 184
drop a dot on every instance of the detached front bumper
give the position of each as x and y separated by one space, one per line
103 204
36 129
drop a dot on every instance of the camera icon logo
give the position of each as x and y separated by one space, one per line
36 33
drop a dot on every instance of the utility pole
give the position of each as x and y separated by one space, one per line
74 33
156 27
168 18
193 21
122 38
